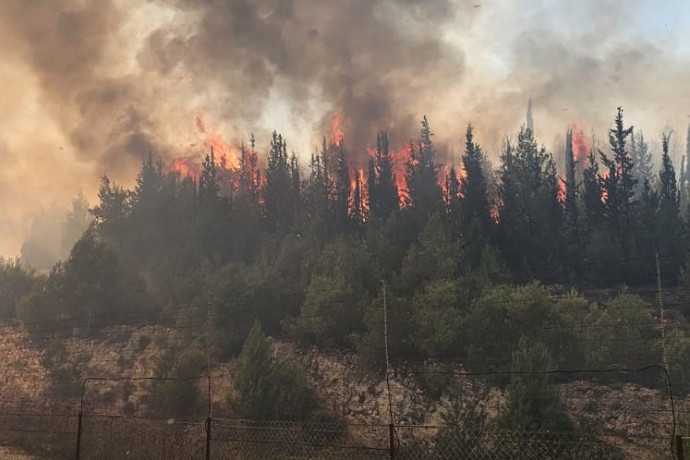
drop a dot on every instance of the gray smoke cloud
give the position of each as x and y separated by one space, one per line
90 87
357 56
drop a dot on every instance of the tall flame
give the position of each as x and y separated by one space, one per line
580 146
226 157
337 135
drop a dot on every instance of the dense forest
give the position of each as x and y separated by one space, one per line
488 267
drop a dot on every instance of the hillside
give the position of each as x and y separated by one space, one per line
630 416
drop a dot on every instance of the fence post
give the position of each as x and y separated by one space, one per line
208 438
81 411
391 440
679 447
78 436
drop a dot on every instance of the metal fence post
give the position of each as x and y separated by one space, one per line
78 436
679 447
208 438
391 440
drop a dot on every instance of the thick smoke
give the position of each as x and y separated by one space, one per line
377 62
578 61
90 87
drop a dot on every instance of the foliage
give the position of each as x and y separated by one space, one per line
424 192
176 393
533 400
267 388
343 282
529 208
501 317
622 333
65 372
91 286
308 255
15 283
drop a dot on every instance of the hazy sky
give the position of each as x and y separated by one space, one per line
89 87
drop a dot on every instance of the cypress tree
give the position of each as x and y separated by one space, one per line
422 174
618 185
474 205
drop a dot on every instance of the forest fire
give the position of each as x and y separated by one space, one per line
186 166
580 148
225 157
337 134
562 189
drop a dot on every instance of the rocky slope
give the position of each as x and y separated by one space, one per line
630 411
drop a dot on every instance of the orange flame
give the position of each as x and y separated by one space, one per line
226 157
580 146
337 135
186 166
359 174
399 159
561 189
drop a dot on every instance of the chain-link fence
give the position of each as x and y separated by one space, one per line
245 439
122 437
682 446
115 437
47 434
426 442
150 418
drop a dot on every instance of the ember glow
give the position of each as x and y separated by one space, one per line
337 135
581 148
186 166
226 156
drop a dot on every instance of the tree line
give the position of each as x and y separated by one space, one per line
471 261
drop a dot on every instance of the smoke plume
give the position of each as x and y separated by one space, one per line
89 88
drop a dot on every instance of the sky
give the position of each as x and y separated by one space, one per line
89 88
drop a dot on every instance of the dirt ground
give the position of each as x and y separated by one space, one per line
7 453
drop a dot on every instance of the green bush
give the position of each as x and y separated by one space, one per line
503 314
533 400
622 333
179 396
267 388
65 373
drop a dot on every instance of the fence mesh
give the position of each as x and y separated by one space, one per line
422 442
244 439
115 437
119 437
48 435
135 418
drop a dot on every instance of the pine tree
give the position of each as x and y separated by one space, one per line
684 178
341 186
247 186
593 194
570 204
642 161
317 192
208 182
452 194
422 174
149 182
618 185
372 194
383 193
669 222
474 205
112 212
278 193
668 192
533 401
268 388
357 209
529 210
